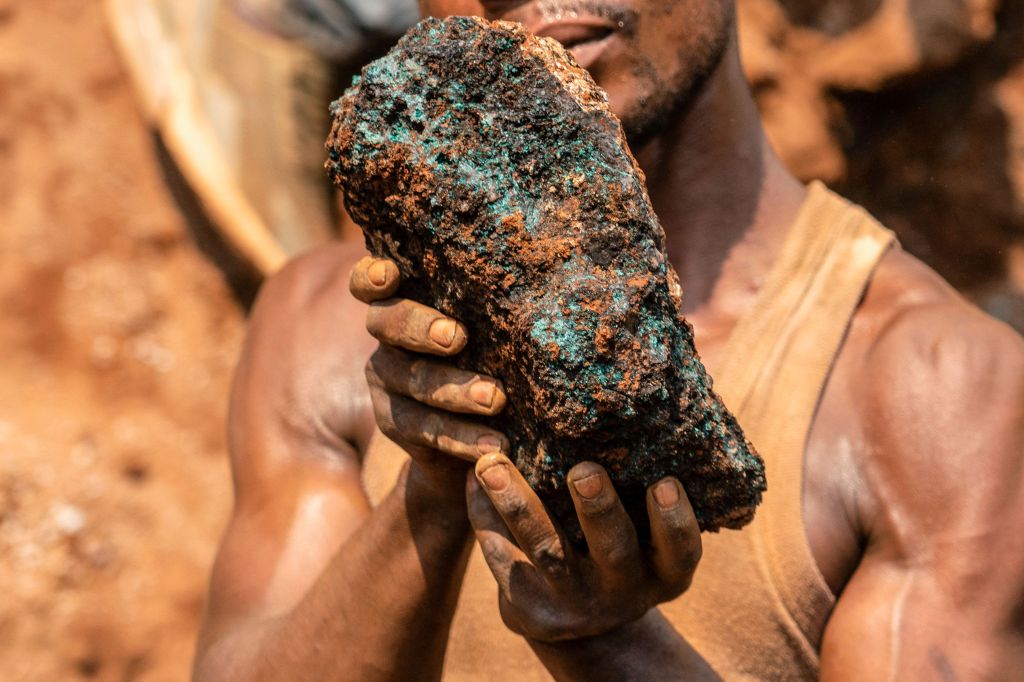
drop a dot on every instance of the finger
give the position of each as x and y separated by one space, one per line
411 424
675 534
413 326
437 384
611 536
374 279
496 542
519 583
523 513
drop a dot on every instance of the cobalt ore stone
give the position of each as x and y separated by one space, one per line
486 163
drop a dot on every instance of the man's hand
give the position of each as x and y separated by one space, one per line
297 585
550 591
419 402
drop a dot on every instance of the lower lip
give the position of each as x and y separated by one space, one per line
586 54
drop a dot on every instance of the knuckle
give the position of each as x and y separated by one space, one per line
375 318
618 555
381 404
386 424
549 556
490 545
373 378
431 429
514 507
450 444
418 373
415 320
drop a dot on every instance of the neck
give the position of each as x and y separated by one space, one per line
722 195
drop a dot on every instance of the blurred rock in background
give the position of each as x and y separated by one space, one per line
914 108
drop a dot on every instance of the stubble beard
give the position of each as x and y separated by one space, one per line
663 101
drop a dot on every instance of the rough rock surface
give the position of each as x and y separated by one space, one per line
486 163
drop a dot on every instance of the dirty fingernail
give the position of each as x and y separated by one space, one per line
488 445
378 273
482 393
442 332
589 487
666 494
495 477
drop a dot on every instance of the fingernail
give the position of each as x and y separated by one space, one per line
589 487
442 331
482 393
666 494
495 477
378 273
488 445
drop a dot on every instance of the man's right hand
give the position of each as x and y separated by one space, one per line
424 405
296 587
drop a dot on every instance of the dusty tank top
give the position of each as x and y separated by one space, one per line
758 604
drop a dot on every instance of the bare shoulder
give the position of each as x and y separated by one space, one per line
934 398
318 273
941 398
921 333
307 347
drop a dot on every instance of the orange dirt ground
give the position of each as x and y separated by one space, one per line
117 341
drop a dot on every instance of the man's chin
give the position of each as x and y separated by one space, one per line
642 118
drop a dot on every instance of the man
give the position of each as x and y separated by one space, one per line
890 414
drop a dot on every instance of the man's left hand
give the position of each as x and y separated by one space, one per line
549 590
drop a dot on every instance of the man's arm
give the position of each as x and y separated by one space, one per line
309 583
939 593
647 649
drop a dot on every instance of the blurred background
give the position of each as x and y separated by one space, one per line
122 315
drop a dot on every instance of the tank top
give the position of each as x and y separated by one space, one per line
758 604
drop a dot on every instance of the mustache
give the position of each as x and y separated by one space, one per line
557 10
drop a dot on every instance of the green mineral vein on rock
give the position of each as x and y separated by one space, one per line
486 163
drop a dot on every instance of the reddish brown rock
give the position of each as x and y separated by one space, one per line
487 164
